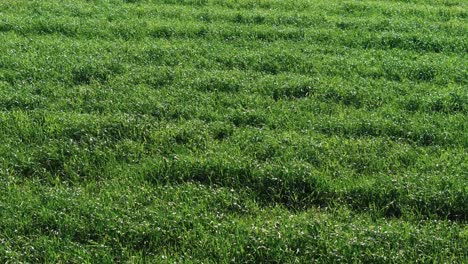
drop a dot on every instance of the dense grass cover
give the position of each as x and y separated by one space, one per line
233 131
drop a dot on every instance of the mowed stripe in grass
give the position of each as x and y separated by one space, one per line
288 130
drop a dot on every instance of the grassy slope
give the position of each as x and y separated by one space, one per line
233 130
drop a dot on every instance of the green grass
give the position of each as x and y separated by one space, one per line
233 131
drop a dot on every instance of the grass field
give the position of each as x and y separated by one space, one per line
240 131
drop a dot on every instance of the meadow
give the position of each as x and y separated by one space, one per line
236 131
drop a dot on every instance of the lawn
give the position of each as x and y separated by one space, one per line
242 131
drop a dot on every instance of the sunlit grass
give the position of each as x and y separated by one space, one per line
233 131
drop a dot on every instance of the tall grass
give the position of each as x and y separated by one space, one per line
233 131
